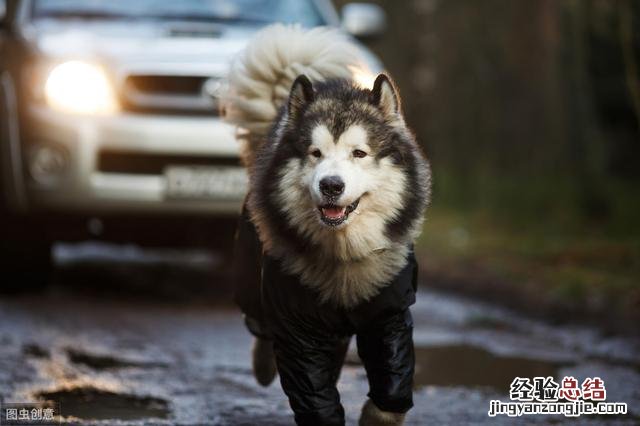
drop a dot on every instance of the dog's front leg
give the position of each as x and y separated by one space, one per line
386 349
309 369
373 416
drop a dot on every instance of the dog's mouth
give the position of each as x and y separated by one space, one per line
334 215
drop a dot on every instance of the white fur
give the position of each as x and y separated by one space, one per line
355 259
337 160
261 76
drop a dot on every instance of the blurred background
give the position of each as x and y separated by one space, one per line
529 112
121 188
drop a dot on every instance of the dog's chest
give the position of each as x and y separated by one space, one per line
288 298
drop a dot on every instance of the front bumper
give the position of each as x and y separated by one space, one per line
82 187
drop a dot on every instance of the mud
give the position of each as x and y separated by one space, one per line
105 362
36 351
112 357
97 404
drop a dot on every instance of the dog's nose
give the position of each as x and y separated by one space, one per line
332 186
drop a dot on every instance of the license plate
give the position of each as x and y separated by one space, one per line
206 182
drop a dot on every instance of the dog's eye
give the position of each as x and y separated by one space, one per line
316 153
359 154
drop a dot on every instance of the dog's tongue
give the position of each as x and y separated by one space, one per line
333 212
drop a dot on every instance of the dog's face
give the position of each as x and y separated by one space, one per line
352 162
340 174
343 169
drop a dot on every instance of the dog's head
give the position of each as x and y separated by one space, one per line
343 160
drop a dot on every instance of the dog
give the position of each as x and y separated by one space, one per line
338 188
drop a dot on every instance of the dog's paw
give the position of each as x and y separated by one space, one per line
264 361
373 416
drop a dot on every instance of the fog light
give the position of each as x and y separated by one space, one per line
47 163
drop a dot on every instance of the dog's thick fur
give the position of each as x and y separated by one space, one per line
260 79
285 123
373 416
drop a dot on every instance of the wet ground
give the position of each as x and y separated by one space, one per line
118 341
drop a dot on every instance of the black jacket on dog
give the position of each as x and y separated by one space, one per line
311 339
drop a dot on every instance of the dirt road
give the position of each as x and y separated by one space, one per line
108 361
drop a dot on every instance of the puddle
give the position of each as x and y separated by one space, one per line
98 404
105 362
35 351
464 365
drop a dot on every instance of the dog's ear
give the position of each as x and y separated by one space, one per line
300 95
385 96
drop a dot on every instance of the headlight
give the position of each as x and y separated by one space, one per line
80 88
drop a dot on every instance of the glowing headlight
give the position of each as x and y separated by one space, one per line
362 76
80 88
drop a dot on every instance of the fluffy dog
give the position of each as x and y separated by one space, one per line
338 190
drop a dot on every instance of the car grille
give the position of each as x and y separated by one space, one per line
170 94
179 85
155 164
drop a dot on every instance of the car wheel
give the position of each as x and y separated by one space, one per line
25 263
25 252
221 241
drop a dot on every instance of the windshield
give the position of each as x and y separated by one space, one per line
238 11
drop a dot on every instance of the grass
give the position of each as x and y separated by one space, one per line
554 262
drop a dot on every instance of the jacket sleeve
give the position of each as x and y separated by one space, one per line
246 272
386 350
395 297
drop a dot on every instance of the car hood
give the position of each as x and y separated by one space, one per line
153 48
167 47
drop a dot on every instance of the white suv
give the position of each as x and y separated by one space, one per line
108 110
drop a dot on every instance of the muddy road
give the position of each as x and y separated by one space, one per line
117 340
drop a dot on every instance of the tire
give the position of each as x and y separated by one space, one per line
221 234
25 252
25 262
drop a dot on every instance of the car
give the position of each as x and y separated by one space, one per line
109 123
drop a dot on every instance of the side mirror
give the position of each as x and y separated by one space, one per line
363 20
